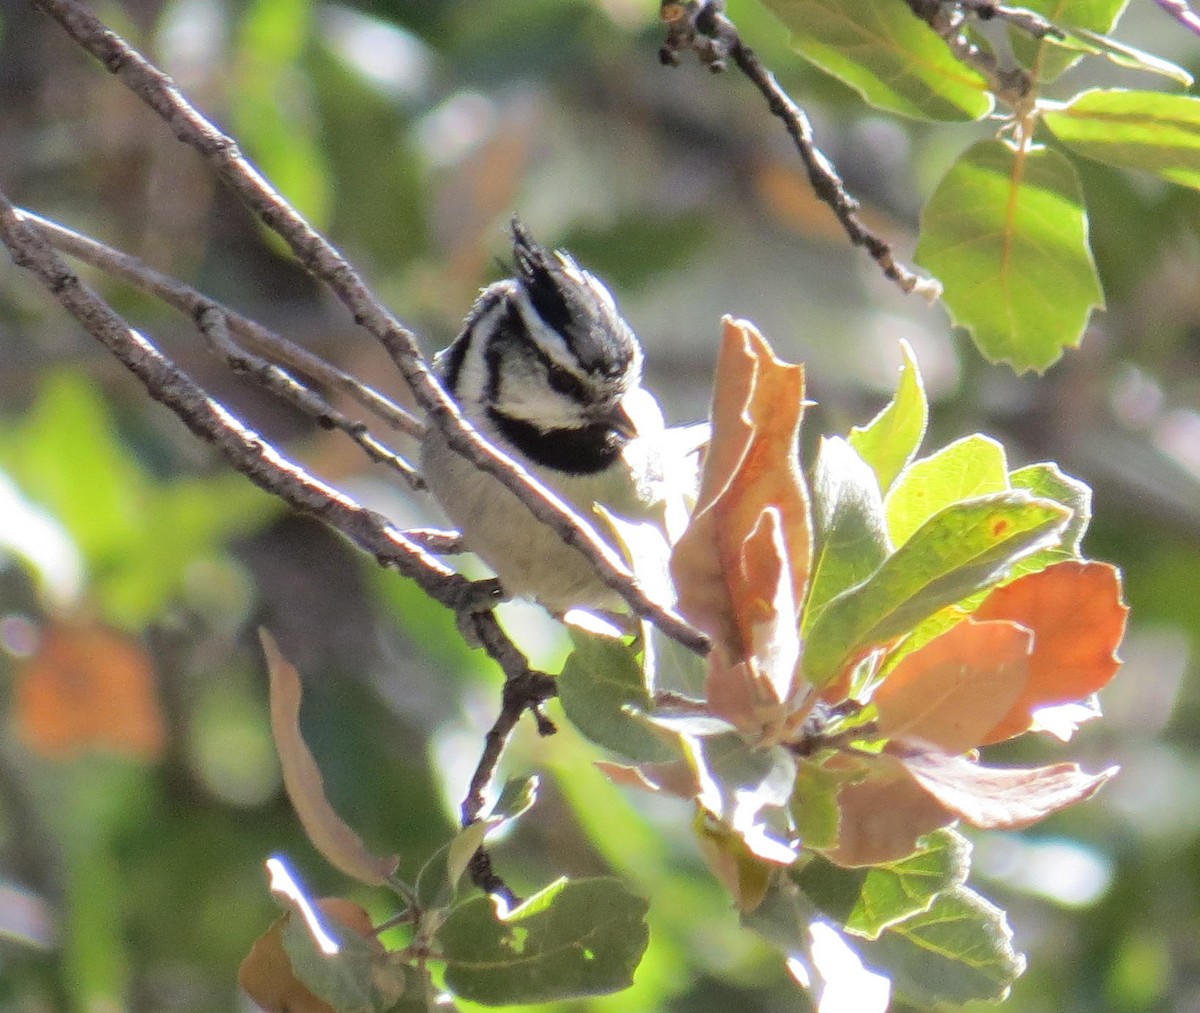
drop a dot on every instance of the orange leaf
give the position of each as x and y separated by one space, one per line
340 845
992 797
752 465
88 686
952 691
883 815
755 695
1077 617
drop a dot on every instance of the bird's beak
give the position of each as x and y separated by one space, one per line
618 418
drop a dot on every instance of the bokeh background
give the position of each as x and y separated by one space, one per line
134 821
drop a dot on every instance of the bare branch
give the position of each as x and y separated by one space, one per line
249 333
213 323
440 543
702 25
221 152
1011 84
1027 21
524 689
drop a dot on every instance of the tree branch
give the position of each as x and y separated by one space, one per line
324 262
702 26
249 333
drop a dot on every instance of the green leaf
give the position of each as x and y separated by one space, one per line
1048 58
599 681
970 467
748 790
852 536
275 116
1122 54
574 938
346 979
66 457
960 550
868 900
1006 233
958 951
1047 481
890 440
1134 130
814 805
895 61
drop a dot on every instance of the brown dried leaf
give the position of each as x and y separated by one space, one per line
991 797
1077 617
88 686
755 695
952 691
340 845
752 465
883 815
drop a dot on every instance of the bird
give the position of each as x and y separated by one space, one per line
548 370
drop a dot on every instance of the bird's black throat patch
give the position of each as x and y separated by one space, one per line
582 451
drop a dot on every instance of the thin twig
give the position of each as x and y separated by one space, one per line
249 333
437 541
1012 84
318 257
702 26
524 690
213 323
1027 21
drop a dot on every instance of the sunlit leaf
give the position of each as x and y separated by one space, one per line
266 976
891 439
751 465
744 874
1123 54
952 691
895 61
756 695
329 834
970 467
574 938
884 813
321 956
867 900
600 680
88 687
1078 619
993 797
1047 58
747 791
851 529
1047 481
958 951
1006 234
815 805
961 549
1146 130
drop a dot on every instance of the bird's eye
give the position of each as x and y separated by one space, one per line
564 382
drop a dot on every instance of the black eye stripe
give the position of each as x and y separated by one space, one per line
565 383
